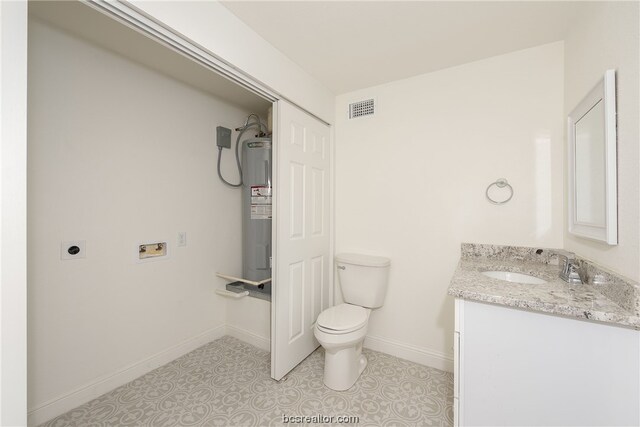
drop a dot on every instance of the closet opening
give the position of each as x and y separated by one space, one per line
123 155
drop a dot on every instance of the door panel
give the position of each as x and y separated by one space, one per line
317 277
301 279
296 200
296 300
318 181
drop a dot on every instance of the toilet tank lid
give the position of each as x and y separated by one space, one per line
365 260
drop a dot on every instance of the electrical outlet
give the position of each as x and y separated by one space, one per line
74 249
182 238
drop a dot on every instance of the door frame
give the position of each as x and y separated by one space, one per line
134 18
13 213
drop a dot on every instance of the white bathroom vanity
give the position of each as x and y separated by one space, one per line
540 354
515 367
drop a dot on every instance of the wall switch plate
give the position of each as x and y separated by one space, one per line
74 249
182 238
223 137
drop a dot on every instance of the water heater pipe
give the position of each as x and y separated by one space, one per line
242 130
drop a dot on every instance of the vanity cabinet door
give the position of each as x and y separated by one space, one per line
459 315
456 377
522 368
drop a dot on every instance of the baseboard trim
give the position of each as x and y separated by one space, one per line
423 356
102 385
249 337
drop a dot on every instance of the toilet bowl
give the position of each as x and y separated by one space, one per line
341 329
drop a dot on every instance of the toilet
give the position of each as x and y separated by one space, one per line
341 329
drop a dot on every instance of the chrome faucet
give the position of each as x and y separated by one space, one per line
568 267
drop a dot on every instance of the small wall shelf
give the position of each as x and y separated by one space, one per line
239 279
239 287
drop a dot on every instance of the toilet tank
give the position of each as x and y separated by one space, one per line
363 279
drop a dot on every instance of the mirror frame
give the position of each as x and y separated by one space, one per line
604 91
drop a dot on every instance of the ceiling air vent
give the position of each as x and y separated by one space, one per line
362 108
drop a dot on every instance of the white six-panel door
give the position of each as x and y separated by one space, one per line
302 256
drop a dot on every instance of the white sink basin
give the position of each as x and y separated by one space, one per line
514 277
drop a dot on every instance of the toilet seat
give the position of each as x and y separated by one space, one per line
342 319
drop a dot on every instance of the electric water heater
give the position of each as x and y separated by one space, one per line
256 209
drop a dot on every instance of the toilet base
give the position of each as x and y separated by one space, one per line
343 367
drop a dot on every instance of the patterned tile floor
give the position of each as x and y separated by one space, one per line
227 383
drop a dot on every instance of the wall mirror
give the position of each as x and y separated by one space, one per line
593 204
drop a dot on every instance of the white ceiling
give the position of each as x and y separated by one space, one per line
349 45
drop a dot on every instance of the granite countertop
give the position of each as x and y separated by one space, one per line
583 301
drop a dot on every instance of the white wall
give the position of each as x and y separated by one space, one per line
411 182
249 319
13 211
119 154
215 28
605 35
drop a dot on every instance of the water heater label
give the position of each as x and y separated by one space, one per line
260 202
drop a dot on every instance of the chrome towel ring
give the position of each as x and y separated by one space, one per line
500 183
